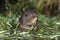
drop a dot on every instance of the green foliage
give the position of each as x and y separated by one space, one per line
47 26
9 25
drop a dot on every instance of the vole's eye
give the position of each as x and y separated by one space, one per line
26 15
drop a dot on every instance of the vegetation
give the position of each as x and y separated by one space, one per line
49 25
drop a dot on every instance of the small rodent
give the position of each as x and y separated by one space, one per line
28 21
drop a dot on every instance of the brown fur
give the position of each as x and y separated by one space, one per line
28 21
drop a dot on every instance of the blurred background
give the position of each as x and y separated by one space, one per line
48 12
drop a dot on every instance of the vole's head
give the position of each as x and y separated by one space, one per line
30 17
